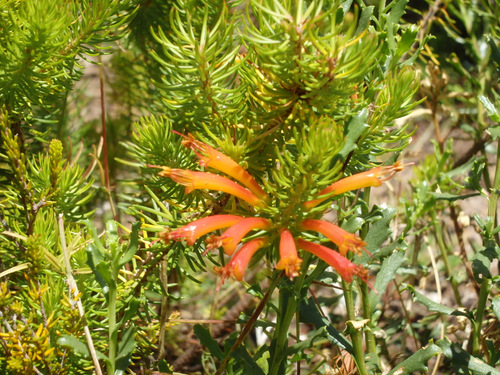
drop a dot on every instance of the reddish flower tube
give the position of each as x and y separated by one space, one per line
373 177
233 236
289 258
203 180
344 240
210 157
194 230
239 261
342 265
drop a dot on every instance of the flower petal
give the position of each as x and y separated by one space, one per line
204 180
210 157
344 240
289 258
342 265
373 177
239 261
233 236
194 230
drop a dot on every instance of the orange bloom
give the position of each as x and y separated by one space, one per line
194 230
289 258
210 157
203 180
342 265
344 240
233 236
239 261
373 177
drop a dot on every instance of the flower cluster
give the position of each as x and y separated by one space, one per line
238 227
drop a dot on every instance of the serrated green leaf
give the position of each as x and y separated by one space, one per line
130 311
309 314
417 361
397 11
495 304
95 236
357 126
408 37
353 224
495 52
492 113
113 240
463 361
207 340
380 230
452 197
364 19
163 367
433 306
125 349
494 131
481 263
99 267
133 245
386 274
70 341
247 363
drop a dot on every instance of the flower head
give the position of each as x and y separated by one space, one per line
269 219
344 240
289 258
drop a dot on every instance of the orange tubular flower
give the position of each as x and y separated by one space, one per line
210 157
344 240
233 236
342 265
373 177
239 262
289 258
200 227
203 180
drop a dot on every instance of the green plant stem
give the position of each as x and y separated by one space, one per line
112 332
369 336
356 335
438 231
73 287
478 321
290 295
287 307
371 343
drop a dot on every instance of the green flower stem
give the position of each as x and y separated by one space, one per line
112 332
478 321
356 335
369 336
438 231
290 295
493 199
371 343
288 304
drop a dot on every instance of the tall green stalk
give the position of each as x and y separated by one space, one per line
112 332
290 295
356 335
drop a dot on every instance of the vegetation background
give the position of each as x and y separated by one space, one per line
90 92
